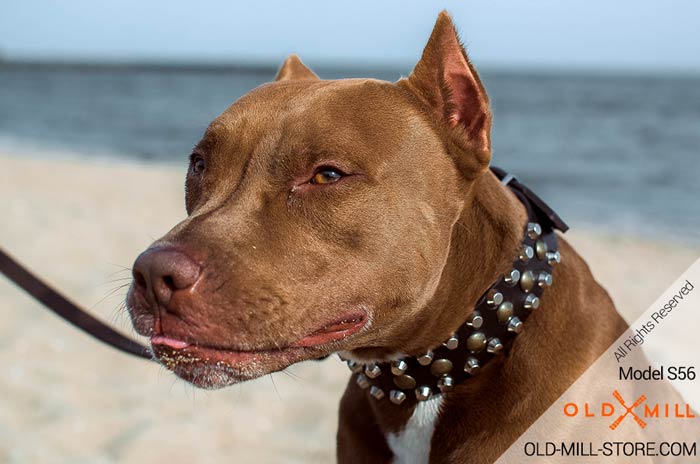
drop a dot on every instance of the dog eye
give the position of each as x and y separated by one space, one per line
198 164
326 176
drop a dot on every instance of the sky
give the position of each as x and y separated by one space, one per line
648 35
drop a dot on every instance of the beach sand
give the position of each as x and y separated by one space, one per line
67 398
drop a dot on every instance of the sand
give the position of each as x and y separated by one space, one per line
66 398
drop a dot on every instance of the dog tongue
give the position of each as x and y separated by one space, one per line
171 342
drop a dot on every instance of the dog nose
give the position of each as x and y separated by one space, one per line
163 271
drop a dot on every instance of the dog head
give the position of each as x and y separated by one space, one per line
320 217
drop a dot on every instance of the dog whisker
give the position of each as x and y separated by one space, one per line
274 385
118 314
292 375
123 268
121 279
110 293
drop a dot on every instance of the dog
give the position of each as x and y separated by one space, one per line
360 217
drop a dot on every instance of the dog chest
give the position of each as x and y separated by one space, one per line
412 444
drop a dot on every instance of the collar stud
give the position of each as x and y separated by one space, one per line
494 298
376 392
495 346
397 396
476 342
354 366
553 257
441 367
544 279
534 230
405 382
399 367
527 281
504 312
541 249
445 384
531 302
423 393
511 278
426 358
452 343
362 381
373 371
475 320
471 367
515 325
526 253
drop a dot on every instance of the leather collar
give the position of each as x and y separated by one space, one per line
490 329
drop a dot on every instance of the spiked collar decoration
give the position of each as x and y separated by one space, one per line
497 317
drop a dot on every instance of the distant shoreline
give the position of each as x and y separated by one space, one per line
130 66
257 68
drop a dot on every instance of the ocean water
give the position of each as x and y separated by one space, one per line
612 152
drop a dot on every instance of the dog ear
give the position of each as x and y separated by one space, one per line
293 69
445 80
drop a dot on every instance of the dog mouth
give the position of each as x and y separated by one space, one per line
209 366
334 330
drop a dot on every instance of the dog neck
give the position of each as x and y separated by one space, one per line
505 293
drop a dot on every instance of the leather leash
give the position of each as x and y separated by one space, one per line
68 310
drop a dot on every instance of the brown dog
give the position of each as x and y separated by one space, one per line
359 216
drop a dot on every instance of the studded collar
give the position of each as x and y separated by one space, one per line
497 317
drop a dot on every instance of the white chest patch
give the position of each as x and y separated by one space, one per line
412 444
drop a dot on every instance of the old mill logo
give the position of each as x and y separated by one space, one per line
639 411
629 410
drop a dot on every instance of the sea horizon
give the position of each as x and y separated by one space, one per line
321 66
